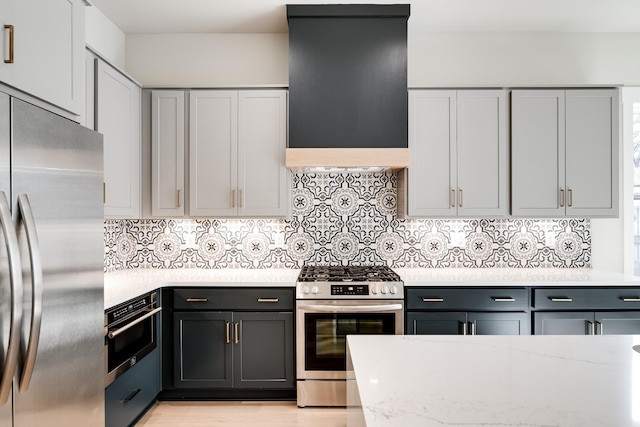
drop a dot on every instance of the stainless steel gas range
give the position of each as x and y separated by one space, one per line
333 302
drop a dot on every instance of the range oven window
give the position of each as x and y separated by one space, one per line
326 336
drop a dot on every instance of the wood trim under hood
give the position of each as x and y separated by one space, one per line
347 159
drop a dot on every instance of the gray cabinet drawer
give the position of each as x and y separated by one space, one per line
586 299
255 299
468 299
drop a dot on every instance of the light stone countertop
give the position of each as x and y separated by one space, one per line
425 381
120 286
123 285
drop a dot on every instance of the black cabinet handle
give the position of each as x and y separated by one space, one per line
132 395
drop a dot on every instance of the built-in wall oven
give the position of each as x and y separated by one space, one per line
332 303
130 333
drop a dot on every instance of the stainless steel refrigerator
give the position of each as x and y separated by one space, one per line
51 269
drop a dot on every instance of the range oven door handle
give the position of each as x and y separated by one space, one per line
116 332
350 308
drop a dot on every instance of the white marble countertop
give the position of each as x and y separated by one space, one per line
493 381
126 284
120 286
513 276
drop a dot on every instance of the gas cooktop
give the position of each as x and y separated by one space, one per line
356 273
351 282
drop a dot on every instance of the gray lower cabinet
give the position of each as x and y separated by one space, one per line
467 323
128 397
467 311
587 323
222 350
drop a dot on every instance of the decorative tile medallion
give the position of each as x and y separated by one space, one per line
342 219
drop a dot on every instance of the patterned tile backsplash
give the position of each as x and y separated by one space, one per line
341 219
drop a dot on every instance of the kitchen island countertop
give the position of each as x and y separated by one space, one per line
493 381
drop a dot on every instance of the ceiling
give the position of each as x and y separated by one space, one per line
269 16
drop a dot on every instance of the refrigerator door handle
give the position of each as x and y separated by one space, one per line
25 213
15 282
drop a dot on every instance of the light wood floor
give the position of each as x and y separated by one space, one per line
238 414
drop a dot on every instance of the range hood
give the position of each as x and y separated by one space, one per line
347 88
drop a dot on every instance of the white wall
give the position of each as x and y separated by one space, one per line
105 38
435 59
209 60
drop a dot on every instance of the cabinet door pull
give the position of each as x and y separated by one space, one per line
228 326
561 299
237 333
179 196
268 299
464 328
570 204
473 328
591 328
233 198
10 28
452 199
503 299
132 395
460 196
240 198
600 326
432 299
630 299
562 197
197 299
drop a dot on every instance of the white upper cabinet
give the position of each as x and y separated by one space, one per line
459 158
117 117
47 41
167 153
564 152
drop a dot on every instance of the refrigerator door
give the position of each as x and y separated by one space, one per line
57 175
6 419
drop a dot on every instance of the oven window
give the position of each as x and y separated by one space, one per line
130 342
325 336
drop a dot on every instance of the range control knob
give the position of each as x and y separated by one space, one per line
374 289
393 289
384 289
315 290
305 289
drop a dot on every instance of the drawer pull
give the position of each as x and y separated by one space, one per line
132 395
432 299
561 299
630 299
268 299
197 299
503 299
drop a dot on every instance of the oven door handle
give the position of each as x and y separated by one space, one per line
115 333
351 308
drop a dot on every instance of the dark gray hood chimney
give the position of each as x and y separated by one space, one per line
348 87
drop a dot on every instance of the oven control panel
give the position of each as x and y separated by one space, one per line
349 289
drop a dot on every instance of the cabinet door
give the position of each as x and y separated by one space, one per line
499 323
118 119
432 135
482 153
167 153
537 153
202 350
263 351
618 323
564 323
213 153
49 50
263 180
592 128
443 323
